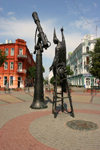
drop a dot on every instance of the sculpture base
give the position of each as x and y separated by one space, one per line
38 105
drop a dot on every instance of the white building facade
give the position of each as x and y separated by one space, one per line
79 62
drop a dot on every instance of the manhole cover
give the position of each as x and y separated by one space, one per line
82 125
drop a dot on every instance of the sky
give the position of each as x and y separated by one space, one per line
77 17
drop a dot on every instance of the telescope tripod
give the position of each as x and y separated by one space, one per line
59 97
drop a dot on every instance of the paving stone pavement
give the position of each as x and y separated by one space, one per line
9 98
55 132
24 96
23 128
15 135
2 102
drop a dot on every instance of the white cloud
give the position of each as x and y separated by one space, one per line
72 41
11 13
94 4
83 24
13 28
87 25
1 9
34 7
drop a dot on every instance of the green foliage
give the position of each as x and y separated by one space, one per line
43 69
52 80
45 81
69 71
31 72
94 67
3 57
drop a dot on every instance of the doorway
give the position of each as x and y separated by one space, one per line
19 81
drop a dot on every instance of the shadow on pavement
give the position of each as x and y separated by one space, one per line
48 100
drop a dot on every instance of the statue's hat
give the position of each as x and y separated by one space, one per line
54 36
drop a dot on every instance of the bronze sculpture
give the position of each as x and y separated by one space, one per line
59 70
59 62
42 43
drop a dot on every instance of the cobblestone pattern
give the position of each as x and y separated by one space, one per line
15 135
55 133
9 98
2 102
23 96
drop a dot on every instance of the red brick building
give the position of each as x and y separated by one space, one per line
19 59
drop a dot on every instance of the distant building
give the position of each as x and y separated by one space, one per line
79 63
19 59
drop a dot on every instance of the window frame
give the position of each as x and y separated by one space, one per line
12 52
5 80
20 51
20 69
6 52
5 66
11 68
11 80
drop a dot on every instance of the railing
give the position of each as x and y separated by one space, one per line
21 70
22 56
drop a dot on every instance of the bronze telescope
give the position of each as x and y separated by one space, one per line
42 43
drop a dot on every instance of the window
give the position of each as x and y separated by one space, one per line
20 66
5 65
12 51
87 49
87 81
11 65
6 51
11 80
5 80
20 51
87 60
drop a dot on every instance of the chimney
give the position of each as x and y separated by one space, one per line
10 41
6 42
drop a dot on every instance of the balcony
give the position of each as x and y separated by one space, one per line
22 56
21 70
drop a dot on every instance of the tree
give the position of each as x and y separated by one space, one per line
31 72
69 71
52 80
43 69
46 81
94 67
3 57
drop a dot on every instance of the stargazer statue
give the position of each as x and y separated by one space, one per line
59 71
